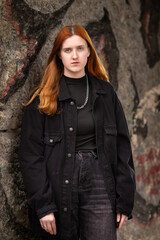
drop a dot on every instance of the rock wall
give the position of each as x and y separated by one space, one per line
126 35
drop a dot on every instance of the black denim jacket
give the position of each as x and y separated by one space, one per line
47 150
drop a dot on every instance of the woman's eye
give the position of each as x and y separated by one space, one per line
67 50
80 48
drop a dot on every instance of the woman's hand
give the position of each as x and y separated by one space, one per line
121 218
48 223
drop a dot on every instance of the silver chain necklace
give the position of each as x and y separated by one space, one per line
87 95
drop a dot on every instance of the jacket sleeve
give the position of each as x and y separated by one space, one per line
32 163
125 174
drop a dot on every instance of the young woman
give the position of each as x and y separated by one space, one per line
75 152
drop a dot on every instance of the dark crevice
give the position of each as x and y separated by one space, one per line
136 97
150 20
102 31
3 131
139 127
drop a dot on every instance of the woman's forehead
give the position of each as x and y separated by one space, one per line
73 41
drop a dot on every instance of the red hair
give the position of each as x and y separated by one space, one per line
49 87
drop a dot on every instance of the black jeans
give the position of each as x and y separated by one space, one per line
92 216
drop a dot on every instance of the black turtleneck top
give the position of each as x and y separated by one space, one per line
85 136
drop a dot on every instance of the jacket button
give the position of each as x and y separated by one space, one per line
69 154
51 140
65 209
66 181
70 129
71 103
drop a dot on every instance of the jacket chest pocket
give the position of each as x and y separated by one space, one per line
52 153
51 140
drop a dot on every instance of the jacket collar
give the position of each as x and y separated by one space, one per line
96 85
63 90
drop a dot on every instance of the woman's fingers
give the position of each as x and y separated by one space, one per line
122 222
53 226
49 228
121 218
48 223
118 217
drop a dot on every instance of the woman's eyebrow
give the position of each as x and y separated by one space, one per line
82 45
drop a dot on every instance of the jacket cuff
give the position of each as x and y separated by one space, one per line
46 210
127 213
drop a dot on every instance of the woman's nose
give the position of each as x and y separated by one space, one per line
74 54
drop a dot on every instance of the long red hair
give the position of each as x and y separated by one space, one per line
49 87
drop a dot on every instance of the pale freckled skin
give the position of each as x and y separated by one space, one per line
74 54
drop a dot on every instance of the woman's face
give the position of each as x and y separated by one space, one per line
74 55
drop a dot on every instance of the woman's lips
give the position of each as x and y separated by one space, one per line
74 63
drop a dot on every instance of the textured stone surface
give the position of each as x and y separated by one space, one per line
47 6
126 35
